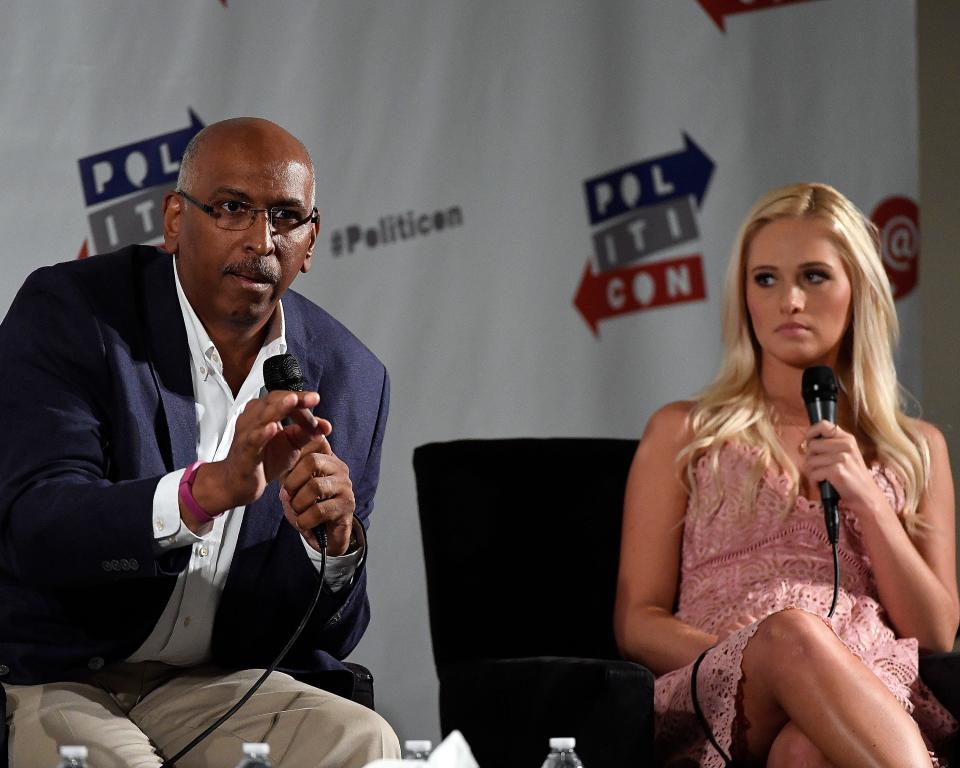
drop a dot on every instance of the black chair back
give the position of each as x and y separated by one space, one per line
521 539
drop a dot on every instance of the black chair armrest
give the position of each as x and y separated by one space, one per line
355 684
941 673
507 709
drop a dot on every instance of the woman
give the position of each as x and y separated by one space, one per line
724 546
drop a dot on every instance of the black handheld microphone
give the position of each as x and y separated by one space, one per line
820 397
283 372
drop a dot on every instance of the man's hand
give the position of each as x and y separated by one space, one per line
318 490
262 450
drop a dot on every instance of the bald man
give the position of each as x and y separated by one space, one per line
157 515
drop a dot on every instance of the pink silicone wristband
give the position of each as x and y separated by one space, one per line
186 493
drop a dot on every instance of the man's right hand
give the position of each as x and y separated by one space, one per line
262 450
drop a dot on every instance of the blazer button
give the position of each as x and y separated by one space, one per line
124 564
134 564
4 670
106 565
115 564
95 663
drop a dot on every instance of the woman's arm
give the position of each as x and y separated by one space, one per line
915 572
649 575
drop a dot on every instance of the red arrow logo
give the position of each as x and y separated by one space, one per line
639 287
718 9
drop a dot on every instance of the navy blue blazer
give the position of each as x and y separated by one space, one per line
96 405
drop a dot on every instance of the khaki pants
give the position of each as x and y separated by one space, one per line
135 715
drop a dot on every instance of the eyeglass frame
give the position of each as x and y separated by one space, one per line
214 214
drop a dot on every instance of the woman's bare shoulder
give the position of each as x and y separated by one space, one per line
671 421
936 442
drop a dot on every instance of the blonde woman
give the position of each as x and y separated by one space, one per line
725 562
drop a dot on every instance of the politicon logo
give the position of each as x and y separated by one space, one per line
638 211
124 187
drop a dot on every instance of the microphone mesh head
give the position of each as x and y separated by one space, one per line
282 372
819 383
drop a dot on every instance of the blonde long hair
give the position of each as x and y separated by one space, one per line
734 407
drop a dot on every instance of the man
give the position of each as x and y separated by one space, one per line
156 517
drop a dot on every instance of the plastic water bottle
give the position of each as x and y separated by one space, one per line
73 757
562 754
417 750
255 756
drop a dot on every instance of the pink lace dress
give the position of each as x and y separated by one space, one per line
737 570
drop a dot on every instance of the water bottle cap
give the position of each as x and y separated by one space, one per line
73 752
418 745
565 742
256 750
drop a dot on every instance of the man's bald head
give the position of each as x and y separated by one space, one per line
245 134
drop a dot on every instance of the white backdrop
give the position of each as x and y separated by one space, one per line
458 145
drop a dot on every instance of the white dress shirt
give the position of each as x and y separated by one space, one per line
183 633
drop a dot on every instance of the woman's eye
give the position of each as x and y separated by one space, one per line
763 278
817 276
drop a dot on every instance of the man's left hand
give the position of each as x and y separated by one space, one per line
318 491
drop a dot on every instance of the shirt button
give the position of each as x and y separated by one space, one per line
95 663
186 621
204 552
4 670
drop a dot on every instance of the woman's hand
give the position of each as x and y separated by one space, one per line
833 455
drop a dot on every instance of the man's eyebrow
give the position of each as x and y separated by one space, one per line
289 202
231 192
286 202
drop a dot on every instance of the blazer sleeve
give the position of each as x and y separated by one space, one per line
65 512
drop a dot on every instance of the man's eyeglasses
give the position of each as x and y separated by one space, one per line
237 215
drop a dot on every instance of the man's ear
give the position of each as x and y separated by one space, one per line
172 210
314 232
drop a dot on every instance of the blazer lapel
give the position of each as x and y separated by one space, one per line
169 354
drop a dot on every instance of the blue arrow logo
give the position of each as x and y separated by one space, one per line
679 174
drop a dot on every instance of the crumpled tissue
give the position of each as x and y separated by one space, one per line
452 752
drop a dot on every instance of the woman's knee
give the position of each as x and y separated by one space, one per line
792 635
792 749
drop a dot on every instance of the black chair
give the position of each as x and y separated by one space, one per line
521 540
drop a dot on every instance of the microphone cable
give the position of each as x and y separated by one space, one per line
321 535
836 578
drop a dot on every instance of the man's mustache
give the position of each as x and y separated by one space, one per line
257 269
